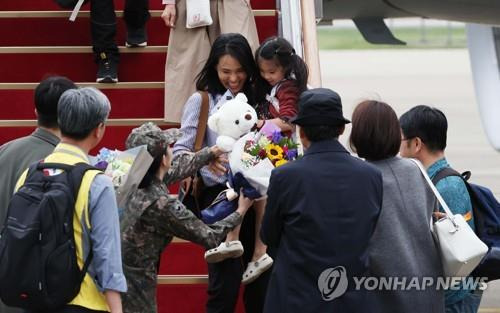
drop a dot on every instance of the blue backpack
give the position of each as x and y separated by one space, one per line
486 213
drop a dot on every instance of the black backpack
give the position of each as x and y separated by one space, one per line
486 213
38 261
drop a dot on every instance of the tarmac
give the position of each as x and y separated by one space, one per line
406 78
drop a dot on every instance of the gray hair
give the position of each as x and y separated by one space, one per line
81 110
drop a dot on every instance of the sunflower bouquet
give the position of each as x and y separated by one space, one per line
256 154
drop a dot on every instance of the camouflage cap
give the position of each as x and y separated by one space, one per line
153 137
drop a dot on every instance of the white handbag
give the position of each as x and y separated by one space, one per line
461 249
198 13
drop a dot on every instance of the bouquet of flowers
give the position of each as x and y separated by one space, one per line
255 155
125 168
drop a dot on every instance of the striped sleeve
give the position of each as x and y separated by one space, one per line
189 125
288 95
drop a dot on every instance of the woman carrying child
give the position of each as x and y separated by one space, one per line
283 77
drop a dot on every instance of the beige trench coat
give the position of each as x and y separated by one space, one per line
188 49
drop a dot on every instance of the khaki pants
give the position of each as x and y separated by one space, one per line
188 49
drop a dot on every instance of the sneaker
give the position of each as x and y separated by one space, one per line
107 69
226 250
255 269
136 37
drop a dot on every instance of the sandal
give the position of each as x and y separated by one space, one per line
226 250
256 268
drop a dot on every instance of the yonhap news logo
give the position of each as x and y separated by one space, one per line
332 283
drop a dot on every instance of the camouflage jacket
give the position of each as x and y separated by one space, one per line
150 220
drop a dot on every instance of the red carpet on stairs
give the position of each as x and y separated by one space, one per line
18 104
60 32
23 64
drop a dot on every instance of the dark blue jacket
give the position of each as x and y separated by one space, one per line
321 212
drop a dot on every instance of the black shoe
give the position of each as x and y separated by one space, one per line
107 69
136 37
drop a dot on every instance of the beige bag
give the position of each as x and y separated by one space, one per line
198 13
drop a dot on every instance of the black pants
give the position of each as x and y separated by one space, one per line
224 278
71 309
103 23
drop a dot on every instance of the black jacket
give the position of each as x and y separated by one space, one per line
321 212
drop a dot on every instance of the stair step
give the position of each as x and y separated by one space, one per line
119 13
120 85
187 299
28 67
150 101
37 5
183 258
57 31
77 49
182 279
114 138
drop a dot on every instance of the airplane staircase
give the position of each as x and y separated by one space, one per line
37 40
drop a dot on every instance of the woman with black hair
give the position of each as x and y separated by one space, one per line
229 70
152 217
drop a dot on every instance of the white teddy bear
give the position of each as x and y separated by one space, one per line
233 119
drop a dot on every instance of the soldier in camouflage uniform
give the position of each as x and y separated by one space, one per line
152 217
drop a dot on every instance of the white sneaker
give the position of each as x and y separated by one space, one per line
255 269
226 250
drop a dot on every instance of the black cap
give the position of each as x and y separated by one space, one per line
320 106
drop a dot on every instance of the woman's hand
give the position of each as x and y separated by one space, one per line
218 166
243 203
169 15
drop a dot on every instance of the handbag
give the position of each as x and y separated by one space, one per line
198 13
190 196
220 208
461 249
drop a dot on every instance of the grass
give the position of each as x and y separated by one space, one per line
331 38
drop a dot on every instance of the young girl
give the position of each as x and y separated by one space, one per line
283 77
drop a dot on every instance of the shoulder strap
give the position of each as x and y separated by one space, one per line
445 172
202 121
435 191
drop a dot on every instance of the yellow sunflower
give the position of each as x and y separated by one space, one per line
280 162
274 152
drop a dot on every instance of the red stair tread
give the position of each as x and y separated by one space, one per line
181 258
114 138
140 67
187 299
60 32
145 103
37 5
55 31
11 133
